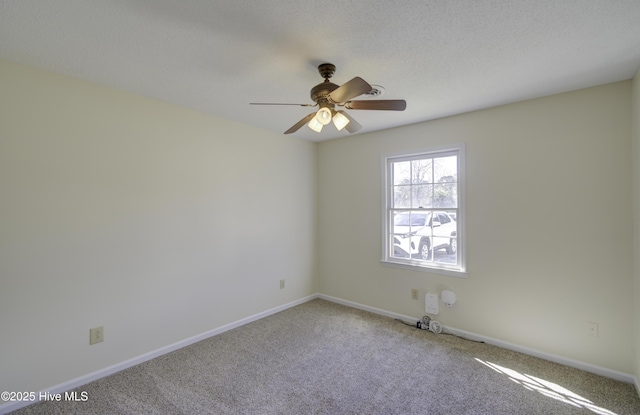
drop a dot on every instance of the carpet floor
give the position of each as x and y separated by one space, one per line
325 358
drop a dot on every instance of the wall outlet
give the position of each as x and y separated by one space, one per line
414 293
592 329
281 284
96 335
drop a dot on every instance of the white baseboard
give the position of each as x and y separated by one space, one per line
587 367
367 308
620 376
83 380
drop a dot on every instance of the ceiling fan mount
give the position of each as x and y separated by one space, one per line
326 70
327 95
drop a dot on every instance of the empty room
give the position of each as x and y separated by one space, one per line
299 207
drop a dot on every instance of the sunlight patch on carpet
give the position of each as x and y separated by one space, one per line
550 389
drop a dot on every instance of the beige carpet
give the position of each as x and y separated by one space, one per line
324 358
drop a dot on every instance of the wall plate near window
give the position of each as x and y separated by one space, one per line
424 210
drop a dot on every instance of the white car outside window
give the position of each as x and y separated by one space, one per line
417 235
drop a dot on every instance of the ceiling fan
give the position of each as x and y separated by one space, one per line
328 95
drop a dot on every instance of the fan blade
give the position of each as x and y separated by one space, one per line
353 125
355 87
377 104
274 103
300 123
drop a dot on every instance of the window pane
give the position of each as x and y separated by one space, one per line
396 248
445 195
401 234
401 196
402 172
421 171
445 232
443 257
422 196
446 169
410 231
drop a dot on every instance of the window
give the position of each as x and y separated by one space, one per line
423 211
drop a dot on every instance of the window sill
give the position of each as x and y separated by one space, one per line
423 268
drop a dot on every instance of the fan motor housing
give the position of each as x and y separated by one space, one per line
319 92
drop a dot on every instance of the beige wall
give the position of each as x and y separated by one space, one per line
548 211
157 222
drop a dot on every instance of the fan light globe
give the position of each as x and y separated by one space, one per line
340 121
323 116
315 125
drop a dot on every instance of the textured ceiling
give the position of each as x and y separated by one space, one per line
442 57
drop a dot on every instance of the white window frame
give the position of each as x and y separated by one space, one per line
456 270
